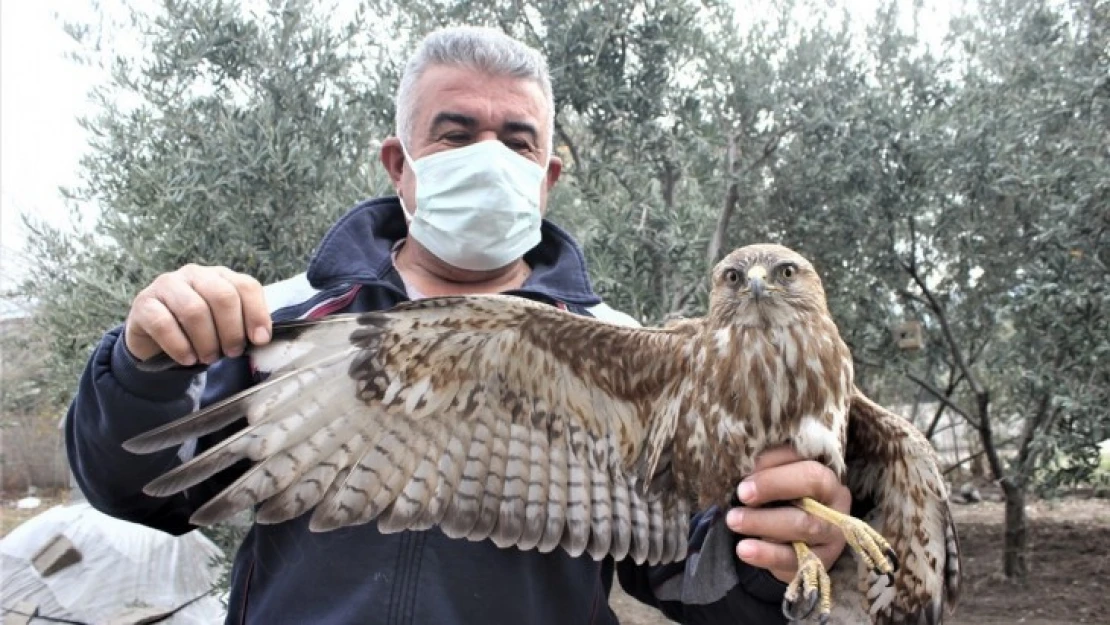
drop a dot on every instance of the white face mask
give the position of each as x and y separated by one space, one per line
477 207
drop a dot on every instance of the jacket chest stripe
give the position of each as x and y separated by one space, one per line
329 306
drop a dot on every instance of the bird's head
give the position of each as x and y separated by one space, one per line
765 285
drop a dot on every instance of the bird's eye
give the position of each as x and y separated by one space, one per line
788 271
732 276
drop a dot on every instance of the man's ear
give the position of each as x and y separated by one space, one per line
393 159
554 170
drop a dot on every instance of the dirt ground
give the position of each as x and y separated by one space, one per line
1069 568
11 516
1069 560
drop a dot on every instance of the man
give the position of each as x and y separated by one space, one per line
471 164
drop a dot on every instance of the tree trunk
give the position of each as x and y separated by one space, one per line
728 207
1015 565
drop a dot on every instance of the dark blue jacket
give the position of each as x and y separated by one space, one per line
284 573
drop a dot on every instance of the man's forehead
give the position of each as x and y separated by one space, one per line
448 93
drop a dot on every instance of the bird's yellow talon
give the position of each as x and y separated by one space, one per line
809 590
867 544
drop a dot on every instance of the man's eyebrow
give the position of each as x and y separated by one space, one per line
525 127
470 123
457 119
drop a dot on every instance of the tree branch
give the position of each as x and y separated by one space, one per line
565 138
953 380
942 398
1029 434
732 192
929 388
911 296
974 456
771 146
982 395
946 329
678 304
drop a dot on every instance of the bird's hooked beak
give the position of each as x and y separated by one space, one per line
756 281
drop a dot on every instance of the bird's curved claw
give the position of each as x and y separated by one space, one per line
870 546
892 558
809 590
799 611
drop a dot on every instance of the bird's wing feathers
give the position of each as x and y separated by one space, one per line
892 466
488 416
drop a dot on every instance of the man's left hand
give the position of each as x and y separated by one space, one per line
782 475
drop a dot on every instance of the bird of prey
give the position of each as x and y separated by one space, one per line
502 418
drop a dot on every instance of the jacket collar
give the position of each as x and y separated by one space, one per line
357 250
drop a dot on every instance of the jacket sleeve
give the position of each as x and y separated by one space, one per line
756 598
115 401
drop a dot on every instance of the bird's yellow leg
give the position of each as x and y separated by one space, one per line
868 545
809 589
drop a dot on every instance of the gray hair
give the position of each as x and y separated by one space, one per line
483 49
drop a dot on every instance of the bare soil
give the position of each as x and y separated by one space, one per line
12 517
1069 563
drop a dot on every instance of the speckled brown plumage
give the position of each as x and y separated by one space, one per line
496 417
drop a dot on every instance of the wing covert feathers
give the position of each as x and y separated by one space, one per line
892 464
474 414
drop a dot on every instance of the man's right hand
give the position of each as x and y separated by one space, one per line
197 314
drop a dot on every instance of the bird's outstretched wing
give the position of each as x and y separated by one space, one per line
490 416
893 470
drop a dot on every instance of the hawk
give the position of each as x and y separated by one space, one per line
502 418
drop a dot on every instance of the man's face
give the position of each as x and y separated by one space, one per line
456 107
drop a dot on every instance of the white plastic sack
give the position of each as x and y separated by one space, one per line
123 565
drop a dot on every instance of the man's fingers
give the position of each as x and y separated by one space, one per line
254 310
782 525
151 318
198 314
781 475
195 318
807 478
776 457
777 558
226 308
